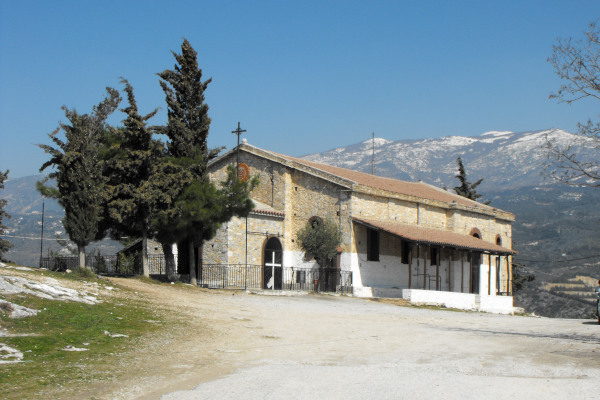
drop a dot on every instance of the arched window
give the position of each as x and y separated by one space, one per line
498 240
315 221
475 233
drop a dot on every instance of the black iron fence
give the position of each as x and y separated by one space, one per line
59 263
222 276
102 265
241 276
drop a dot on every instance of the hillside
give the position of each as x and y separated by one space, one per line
25 225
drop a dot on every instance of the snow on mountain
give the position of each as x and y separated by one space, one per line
506 160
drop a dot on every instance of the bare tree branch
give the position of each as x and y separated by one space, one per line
577 63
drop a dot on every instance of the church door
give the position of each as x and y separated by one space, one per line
272 268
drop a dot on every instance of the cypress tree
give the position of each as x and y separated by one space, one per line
78 171
466 188
200 207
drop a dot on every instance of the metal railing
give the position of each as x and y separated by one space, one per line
101 265
59 263
241 276
222 276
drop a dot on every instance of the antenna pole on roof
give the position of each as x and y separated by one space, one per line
238 132
372 153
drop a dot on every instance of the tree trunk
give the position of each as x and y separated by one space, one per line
199 262
169 261
145 267
192 262
81 253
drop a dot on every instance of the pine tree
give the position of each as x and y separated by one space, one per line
78 171
130 165
466 188
5 245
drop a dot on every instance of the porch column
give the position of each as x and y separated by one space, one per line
462 271
424 271
438 284
470 271
509 268
450 252
489 274
410 267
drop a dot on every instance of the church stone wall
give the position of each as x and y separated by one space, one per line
310 196
271 188
260 228
463 222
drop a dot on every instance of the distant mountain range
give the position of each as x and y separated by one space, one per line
506 160
557 228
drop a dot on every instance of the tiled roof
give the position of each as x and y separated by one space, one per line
263 209
416 189
434 236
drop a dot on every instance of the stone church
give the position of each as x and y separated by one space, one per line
400 239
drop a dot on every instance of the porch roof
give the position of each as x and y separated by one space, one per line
263 209
434 237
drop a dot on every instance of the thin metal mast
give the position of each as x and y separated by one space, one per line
372 153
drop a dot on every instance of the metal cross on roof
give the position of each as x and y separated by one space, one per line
238 132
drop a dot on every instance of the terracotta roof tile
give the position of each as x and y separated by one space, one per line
261 208
434 236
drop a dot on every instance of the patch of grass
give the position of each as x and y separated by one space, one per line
151 281
46 366
85 273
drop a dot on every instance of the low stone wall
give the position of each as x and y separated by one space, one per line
367 291
496 304
463 301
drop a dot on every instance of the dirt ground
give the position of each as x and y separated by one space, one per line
254 346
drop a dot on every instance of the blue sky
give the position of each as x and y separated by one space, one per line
301 77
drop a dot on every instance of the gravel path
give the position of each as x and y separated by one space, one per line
345 348
251 346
